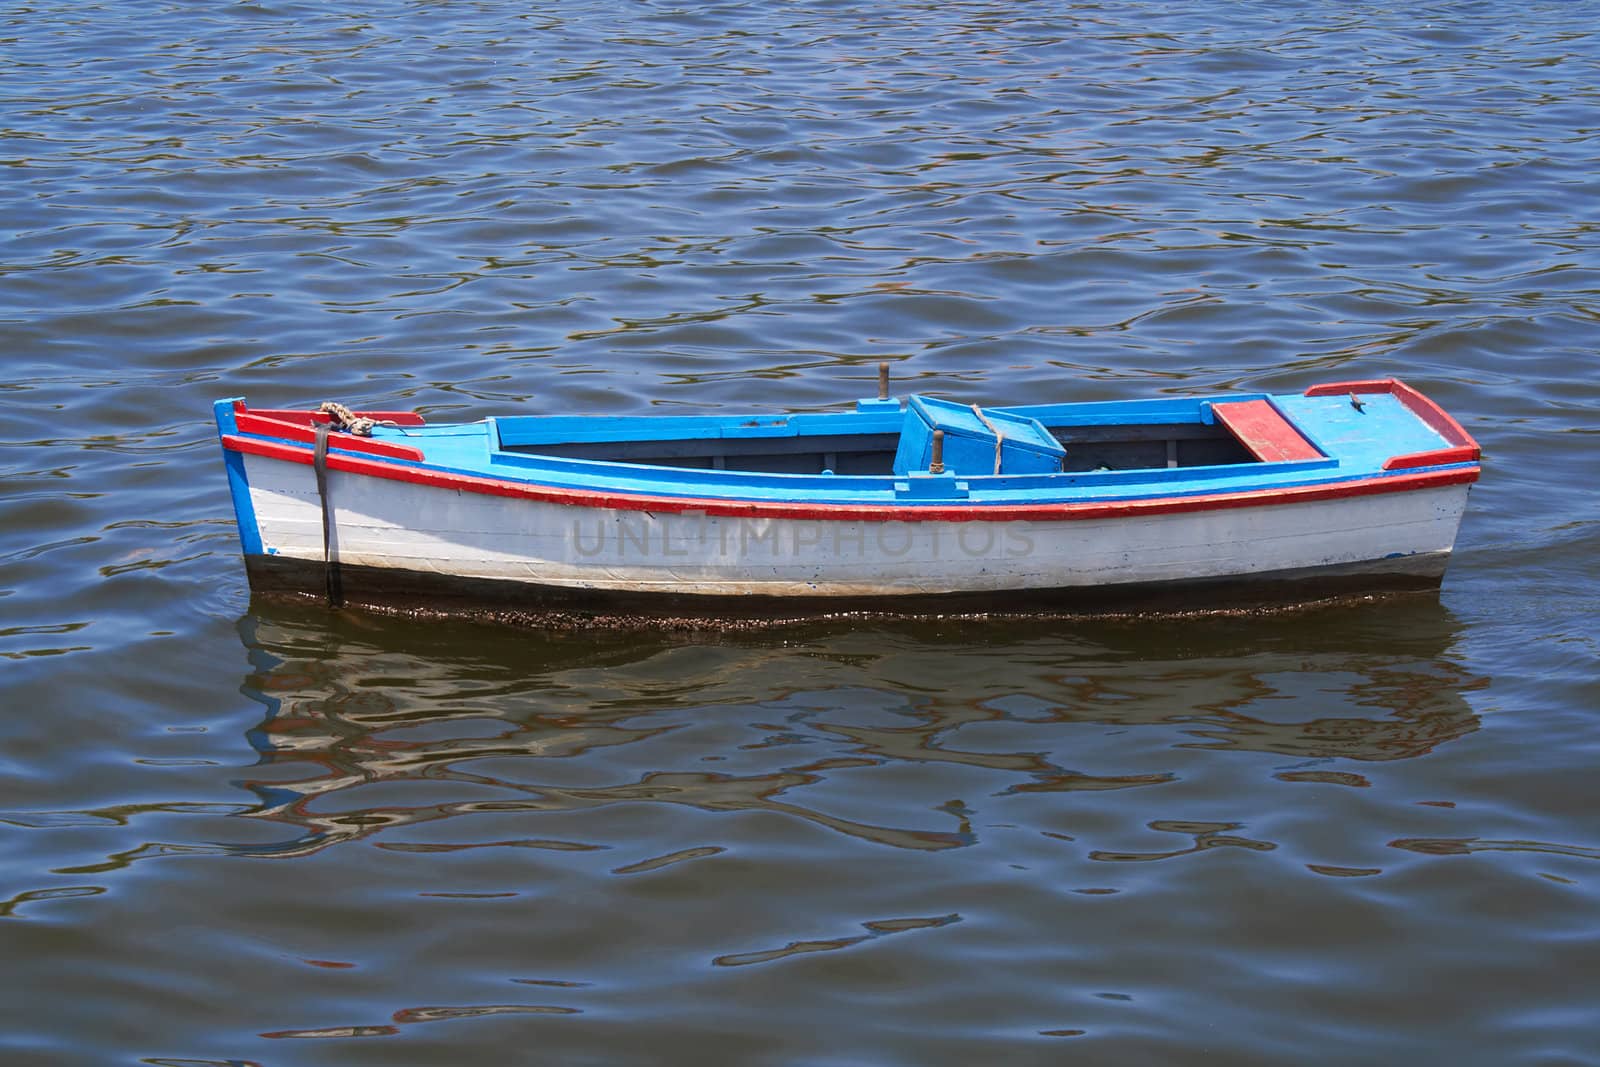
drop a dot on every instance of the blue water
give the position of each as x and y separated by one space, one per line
232 833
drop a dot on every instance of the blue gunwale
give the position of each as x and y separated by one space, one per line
514 430
856 488
1354 448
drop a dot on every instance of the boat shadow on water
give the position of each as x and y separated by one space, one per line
447 737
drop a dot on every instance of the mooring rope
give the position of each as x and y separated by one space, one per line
999 438
342 418
330 561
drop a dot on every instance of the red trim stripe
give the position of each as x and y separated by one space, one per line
1262 429
1438 457
1436 418
467 483
261 423
311 418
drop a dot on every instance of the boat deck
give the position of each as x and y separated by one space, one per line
1113 451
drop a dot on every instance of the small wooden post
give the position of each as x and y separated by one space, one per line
936 465
883 380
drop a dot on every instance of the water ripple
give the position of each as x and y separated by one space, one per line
315 826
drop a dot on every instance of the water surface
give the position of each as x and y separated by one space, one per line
232 833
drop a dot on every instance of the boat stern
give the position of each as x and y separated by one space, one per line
244 511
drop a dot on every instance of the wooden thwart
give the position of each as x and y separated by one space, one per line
1266 433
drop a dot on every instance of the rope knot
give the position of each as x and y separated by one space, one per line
346 420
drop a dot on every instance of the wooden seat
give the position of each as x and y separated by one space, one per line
1262 429
976 442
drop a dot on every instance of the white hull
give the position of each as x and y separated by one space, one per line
404 527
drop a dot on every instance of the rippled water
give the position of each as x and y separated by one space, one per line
237 834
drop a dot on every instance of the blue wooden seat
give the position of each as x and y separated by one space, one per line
976 442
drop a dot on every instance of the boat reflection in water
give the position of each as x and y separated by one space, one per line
444 738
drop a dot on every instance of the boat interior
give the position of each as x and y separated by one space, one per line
974 442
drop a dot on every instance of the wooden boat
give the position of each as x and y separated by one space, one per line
916 505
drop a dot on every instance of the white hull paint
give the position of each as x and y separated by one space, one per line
391 524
